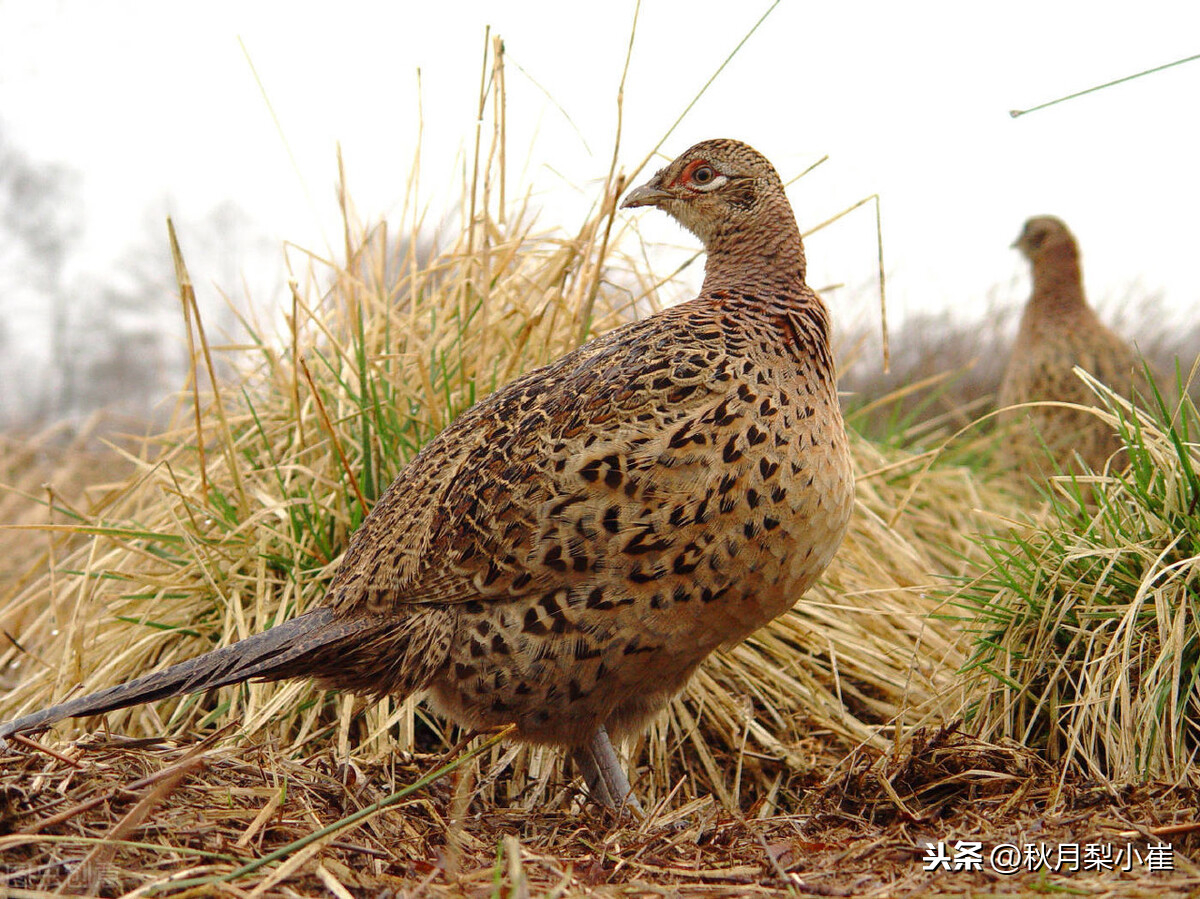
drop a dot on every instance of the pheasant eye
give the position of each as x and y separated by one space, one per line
703 174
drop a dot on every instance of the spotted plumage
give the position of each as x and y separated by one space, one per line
566 553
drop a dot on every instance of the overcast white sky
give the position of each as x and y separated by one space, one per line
157 105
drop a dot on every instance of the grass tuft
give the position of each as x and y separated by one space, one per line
1087 642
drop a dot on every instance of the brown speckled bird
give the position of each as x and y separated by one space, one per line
1059 331
565 554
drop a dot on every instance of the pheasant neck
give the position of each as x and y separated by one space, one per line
1057 282
766 258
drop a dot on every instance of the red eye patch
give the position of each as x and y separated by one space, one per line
686 175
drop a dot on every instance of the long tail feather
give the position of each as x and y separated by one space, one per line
278 652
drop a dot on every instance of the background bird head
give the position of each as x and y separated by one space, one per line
1044 235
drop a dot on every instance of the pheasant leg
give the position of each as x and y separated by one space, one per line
602 772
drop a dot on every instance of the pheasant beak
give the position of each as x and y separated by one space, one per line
648 194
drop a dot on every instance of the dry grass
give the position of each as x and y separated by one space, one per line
72 469
944 374
122 817
814 757
1089 647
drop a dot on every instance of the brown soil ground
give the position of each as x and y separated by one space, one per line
108 816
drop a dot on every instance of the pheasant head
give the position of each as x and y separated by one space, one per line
1044 236
728 195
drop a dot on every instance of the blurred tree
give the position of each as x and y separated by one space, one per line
40 223
72 342
136 351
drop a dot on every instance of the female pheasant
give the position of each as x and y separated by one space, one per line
566 553
1058 332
